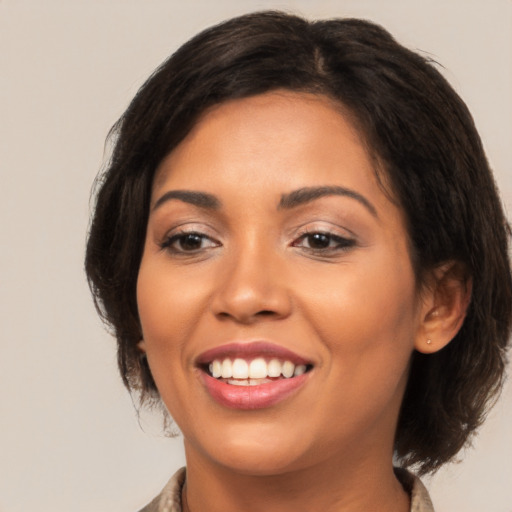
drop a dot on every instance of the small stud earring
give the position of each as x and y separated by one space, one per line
429 341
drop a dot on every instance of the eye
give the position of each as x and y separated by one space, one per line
188 243
320 241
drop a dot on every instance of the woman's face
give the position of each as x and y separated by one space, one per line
271 246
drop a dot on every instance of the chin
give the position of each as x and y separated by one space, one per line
258 463
256 455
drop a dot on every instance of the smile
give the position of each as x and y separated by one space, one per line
252 376
240 372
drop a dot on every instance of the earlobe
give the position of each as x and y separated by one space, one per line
141 345
446 298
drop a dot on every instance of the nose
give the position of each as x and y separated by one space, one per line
252 287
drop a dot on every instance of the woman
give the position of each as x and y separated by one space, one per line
300 248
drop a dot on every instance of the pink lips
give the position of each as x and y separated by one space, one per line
251 397
250 350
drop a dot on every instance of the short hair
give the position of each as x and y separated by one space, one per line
413 124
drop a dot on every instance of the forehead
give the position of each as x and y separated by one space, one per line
272 130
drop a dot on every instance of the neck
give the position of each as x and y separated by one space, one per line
330 487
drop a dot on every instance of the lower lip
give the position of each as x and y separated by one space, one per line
252 397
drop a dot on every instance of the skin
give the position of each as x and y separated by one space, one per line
354 309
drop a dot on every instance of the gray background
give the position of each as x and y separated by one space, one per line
69 437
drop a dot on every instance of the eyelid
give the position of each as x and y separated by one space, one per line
187 226
322 226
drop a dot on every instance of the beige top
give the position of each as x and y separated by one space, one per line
169 500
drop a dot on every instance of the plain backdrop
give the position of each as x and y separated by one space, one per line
69 437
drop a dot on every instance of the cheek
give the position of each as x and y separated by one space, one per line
367 323
167 306
365 312
165 300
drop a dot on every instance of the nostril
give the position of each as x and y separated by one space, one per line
249 304
249 318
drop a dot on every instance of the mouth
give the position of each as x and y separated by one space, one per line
252 376
253 372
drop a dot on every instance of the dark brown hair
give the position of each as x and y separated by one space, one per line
414 124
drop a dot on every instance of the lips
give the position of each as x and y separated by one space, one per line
252 375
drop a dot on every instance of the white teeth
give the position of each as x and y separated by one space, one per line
288 369
274 368
239 382
240 369
252 372
216 369
247 382
258 368
299 370
227 369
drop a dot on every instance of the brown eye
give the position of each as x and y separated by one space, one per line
318 240
192 242
189 242
323 242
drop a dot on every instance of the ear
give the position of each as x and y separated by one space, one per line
446 296
142 346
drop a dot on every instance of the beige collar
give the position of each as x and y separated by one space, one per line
169 500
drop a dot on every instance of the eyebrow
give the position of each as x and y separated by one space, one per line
200 199
308 194
288 201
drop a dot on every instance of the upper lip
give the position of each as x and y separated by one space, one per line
251 350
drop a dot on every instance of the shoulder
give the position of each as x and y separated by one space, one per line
169 500
420 498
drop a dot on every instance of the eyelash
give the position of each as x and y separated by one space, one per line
340 243
169 243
